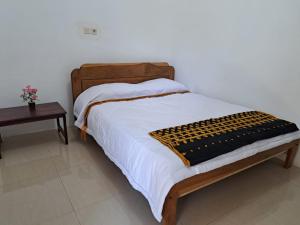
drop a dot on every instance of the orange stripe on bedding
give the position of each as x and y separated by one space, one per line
91 105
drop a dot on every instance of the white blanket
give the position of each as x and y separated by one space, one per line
122 128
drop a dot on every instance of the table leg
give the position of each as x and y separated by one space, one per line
65 130
58 125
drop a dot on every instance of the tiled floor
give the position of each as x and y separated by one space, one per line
44 182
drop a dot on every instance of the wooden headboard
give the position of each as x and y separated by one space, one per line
89 75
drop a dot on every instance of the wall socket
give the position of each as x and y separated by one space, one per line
89 31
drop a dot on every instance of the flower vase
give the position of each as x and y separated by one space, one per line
31 106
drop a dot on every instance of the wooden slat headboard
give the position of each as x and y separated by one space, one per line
89 75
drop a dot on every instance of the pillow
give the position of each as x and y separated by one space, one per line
125 90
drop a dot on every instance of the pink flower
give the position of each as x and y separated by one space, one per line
29 94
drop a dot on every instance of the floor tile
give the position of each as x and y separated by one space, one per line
27 170
205 205
28 148
277 206
114 211
275 168
33 201
76 153
85 185
68 219
69 156
26 157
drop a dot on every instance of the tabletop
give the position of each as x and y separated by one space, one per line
23 114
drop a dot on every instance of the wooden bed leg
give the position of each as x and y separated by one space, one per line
290 156
170 209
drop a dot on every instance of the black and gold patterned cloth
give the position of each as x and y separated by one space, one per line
200 141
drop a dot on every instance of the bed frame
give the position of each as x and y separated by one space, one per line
94 74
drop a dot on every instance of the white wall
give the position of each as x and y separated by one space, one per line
245 52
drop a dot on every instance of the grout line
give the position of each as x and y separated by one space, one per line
77 218
53 219
221 216
20 180
69 198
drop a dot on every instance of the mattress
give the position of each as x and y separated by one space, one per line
122 129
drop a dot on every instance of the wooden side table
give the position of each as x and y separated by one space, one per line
22 114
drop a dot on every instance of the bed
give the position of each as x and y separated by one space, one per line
122 130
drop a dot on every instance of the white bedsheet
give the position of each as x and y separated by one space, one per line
122 128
